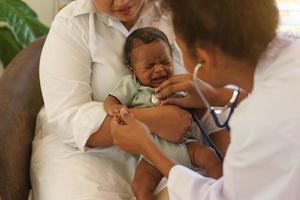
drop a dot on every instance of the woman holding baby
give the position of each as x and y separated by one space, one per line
73 156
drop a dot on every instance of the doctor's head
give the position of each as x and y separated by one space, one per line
215 31
148 54
127 11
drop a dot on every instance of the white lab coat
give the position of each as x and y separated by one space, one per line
263 159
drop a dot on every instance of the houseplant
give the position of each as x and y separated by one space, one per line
19 25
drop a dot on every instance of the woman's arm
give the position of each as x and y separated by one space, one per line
65 77
169 122
102 137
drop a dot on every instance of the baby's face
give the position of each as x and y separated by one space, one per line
152 63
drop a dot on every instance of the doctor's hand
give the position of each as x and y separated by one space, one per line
132 135
184 83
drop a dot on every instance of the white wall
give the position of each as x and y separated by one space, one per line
46 9
290 15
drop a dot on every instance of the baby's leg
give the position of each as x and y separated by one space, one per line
145 180
204 157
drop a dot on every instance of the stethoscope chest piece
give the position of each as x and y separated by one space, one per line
155 101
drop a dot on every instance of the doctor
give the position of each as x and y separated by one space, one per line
236 42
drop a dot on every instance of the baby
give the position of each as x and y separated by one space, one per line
149 56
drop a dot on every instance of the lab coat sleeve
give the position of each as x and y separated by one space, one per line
185 184
65 74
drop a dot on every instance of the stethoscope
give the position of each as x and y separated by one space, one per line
214 111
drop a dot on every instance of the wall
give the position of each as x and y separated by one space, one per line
46 10
290 15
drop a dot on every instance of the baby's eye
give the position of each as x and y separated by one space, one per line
165 62
150 65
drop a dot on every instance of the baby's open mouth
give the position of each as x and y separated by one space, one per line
159 79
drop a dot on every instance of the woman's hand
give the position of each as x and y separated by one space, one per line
167 121
184 83
132 135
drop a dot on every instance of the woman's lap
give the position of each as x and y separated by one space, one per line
62 172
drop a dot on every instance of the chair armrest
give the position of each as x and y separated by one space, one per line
20 101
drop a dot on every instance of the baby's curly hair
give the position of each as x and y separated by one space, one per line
143 36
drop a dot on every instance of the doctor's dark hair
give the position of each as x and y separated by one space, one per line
143 36
240 28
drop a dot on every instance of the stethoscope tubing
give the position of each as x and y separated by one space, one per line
206 136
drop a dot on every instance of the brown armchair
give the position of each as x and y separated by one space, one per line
20 101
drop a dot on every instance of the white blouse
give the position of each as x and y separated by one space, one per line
263 159
82 61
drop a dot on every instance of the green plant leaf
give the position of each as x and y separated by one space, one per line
9 47
23 27
22 21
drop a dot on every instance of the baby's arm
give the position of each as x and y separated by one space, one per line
112 106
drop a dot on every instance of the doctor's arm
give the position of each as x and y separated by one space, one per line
139 141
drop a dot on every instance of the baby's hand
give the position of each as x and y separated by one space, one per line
114 111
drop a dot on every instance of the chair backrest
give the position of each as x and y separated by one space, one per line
20 101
